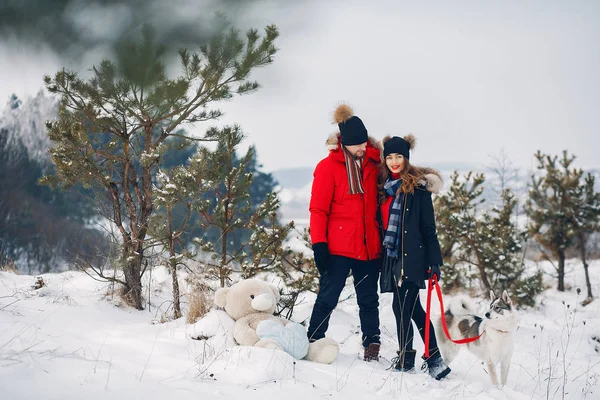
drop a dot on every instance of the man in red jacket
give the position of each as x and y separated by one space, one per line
344 228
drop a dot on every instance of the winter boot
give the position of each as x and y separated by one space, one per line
372 352
405 362
436 367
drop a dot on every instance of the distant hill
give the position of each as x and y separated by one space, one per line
293 178
24 122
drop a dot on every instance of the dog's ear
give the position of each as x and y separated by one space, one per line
492 296
506 298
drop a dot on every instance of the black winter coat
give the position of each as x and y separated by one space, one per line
419 245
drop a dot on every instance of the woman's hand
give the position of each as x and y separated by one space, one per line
434 270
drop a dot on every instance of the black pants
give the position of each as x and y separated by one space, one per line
407 307
366 276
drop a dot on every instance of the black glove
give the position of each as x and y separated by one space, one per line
434 270
321 257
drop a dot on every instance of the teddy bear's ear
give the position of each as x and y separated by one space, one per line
275 290
221 297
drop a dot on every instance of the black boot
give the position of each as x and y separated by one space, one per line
436 367
405 362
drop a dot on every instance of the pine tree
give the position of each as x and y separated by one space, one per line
232 211
111 130
266 243
551 207
222 213
496 249
587 218
455 218
299 274
181 186
489 241
262 185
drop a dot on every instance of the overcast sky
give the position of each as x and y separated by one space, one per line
467 78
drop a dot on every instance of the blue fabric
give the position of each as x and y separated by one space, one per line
366 275
391 239
291 337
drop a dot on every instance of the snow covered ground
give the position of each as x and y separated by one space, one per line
73 340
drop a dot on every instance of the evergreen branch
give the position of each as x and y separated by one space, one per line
191 138
82 106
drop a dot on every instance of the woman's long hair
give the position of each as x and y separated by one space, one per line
410 179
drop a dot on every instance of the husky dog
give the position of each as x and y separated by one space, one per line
497 330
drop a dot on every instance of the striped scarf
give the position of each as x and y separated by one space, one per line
391 239
354 172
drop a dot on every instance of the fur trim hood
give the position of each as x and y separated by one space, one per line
333 142
431 179
334 146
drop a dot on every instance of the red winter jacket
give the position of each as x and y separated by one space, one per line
346 222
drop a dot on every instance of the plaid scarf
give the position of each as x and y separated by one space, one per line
354 172
391 239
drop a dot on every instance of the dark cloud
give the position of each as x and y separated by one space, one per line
73 27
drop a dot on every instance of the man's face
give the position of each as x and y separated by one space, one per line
357 150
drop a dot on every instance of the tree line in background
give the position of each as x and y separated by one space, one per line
199 203
562 214
38 225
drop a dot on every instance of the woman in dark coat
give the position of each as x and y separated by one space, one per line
411 247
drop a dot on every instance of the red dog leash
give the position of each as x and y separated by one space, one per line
433 281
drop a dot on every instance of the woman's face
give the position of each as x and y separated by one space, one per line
395 162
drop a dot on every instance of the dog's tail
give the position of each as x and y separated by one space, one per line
457 308
461 306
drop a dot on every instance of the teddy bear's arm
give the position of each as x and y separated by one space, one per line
243 333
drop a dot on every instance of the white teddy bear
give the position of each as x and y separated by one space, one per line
251 304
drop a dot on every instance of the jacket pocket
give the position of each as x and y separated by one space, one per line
342 237
339 193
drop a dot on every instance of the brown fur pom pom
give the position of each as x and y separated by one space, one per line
411 139
342 113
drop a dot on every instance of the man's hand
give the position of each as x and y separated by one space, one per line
321 257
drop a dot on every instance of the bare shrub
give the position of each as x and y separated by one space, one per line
199 298
8 265
198 307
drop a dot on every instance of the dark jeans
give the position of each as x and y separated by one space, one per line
366 276
407 306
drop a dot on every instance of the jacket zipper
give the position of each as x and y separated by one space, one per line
365 213
402 235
